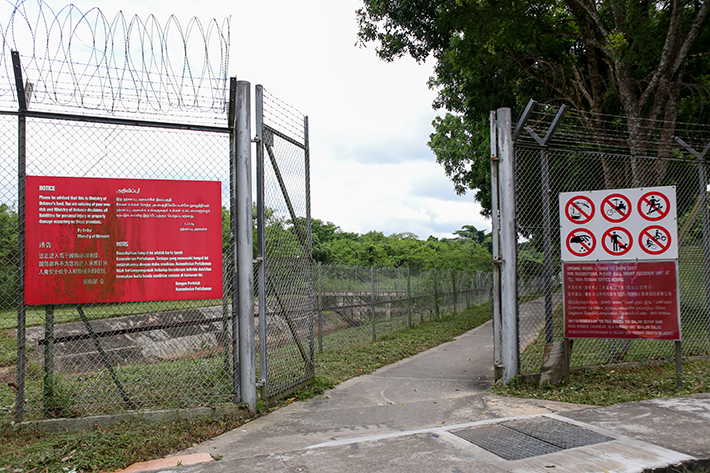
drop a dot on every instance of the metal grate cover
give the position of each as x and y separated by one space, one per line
519 439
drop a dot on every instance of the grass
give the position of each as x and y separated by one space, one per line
604 387
107 449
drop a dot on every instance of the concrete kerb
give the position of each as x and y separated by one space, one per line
86 423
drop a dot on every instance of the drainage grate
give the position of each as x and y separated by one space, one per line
518 439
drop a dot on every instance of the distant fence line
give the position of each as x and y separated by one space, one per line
356 305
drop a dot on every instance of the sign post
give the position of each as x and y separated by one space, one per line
620 264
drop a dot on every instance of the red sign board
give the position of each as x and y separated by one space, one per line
622 300
115 240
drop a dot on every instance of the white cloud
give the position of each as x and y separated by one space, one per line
369 120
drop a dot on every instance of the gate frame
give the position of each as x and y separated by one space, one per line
238 128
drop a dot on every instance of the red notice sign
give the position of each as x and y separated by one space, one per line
119 240
622 300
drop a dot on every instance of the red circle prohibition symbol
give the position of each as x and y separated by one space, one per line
616 208
619 241
579 209
655 240
581 242
654 206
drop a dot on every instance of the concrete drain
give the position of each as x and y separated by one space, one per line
518 439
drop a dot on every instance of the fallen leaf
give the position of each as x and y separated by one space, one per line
442 422
484 412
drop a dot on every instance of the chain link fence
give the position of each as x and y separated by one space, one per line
356 305
103 358
574 160
285 286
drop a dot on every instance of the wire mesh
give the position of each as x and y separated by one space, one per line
576 163
356 305
101 358
288 281
88 62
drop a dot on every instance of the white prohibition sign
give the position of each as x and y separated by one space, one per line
616 208
617 241
579 209
654 206
581 242
655 240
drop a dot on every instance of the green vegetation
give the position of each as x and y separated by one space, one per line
603 387
8 257
470 250
106 449
604 57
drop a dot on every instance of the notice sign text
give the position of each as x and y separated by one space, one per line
120 240
622 300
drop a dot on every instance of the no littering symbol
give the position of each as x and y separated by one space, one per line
581 242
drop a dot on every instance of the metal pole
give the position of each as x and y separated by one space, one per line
232 120
48 381
547 244
409 298
319 279
508 241
495 233
374 328
678 364
705 220
245 242
261 238
21 175
308 258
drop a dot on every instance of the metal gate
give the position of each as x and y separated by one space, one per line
285 281
550 151
76 360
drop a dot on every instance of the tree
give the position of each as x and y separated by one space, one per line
9 257
646 60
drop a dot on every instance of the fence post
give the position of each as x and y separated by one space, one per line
705 220
319 297
436 294
261 239
495 234
244 241
48 381
374 329
409 298
453 290
21 174
508 241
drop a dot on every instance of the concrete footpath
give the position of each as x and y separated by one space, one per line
433 413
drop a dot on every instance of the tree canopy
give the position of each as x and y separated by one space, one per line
646 60
470 250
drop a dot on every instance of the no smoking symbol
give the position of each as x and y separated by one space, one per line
654 206
617 241
655 240
579 209
581 242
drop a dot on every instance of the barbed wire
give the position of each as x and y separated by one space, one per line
576 132
279 114
119 66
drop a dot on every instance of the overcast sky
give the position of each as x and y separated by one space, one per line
369 120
